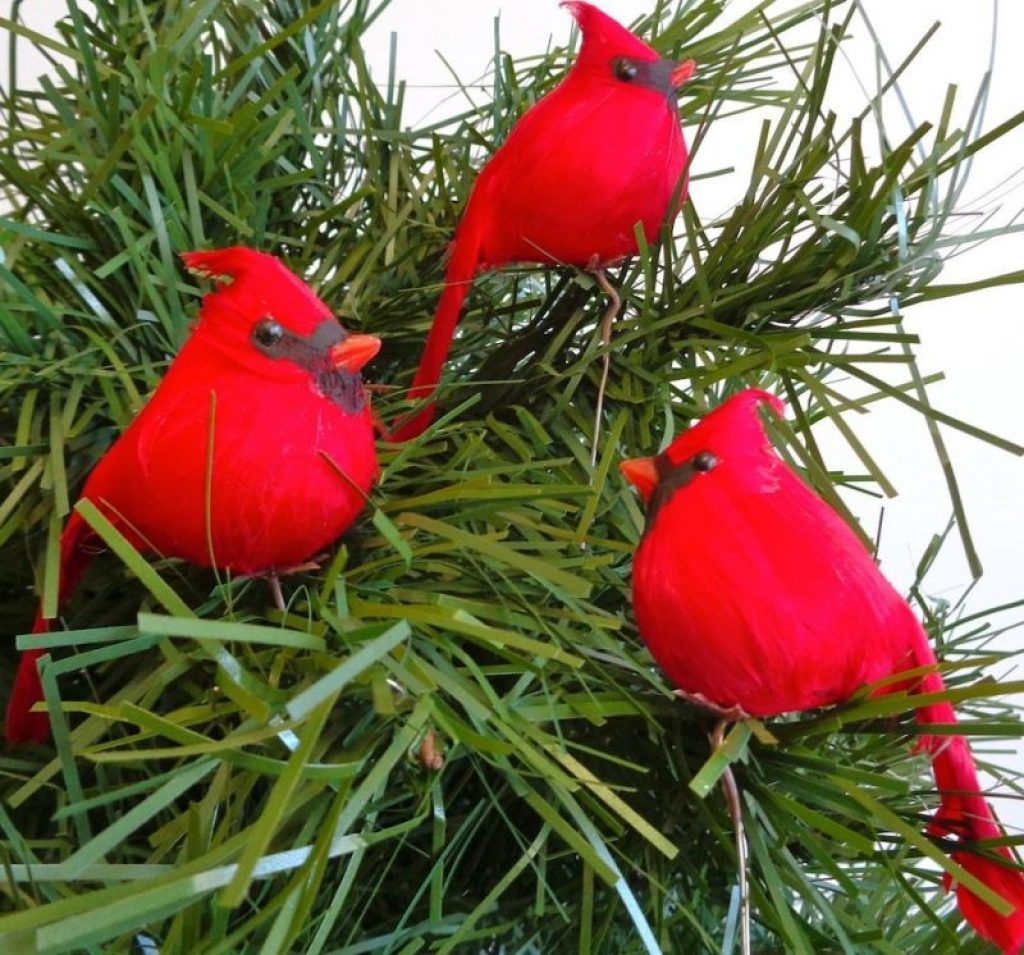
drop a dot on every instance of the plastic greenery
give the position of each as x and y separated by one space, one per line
228 779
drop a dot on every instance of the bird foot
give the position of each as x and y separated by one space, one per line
314 563
730 714
273 577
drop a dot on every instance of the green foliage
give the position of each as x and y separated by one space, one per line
229 778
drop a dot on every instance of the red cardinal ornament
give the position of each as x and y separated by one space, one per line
600 153
751 592
233 462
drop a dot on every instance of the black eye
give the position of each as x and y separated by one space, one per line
624 69
705 461
267 332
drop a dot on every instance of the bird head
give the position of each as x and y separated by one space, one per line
733 432
610 50
261 310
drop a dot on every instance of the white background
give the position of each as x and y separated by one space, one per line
977 341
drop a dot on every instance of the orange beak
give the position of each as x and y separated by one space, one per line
642 473
355 351
682 73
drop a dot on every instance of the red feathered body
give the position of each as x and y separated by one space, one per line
752 592
269 499
590 161
226 465
578 172
749 589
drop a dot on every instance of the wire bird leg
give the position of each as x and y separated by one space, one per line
273 578
732 797
614 302
727 714
274 583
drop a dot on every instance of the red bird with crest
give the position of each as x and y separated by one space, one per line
255 452
755 597
600 154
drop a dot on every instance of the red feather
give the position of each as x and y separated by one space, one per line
752 592
267 498
577 173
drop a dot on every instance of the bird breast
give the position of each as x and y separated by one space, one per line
221 473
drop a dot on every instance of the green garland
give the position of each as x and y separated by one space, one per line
483 599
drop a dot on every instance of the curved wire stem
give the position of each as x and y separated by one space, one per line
275 591
732 796
614 302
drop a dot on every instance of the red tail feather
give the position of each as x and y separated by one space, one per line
1004 931
21 724
965 814
462 268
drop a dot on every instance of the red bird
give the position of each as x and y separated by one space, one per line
600 153
270 382
752 593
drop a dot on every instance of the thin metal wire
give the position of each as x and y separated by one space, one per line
732 797
614 302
